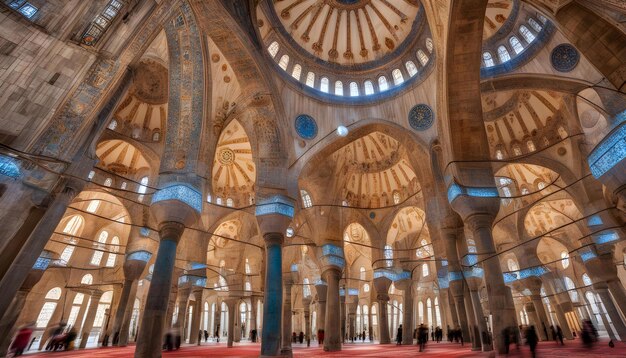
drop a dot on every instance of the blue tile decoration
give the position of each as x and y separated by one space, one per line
421 117
139 256
41 263
392 275
587 255
276 204
330 249
474 272
197 281
306 127
9 167
181 192
144 231
564 57
455 190
594 220
455 275
610 151
536 271
442 277
197 266
351 292
332 255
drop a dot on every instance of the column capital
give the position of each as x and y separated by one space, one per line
171 230
135 263
382 297
479 220
469 201
273 238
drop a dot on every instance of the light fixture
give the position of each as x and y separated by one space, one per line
342 131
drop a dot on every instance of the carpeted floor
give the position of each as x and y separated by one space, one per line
545 349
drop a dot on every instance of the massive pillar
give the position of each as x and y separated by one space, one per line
133 267
382 296
233 316
543 323
183 298
407 319
321 289
478 212
197 316
26 256
351 308
273 215
91 315
170 231
342 314
332 329
602 290
306 302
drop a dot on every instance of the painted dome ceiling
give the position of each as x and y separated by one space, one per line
121 157
348 31
498 12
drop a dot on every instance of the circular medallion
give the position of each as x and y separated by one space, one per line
564 58
226 156
421 117
306 126
372 215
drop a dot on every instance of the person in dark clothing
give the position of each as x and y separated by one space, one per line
532 340
399 336
301 337
553 333
506 339
206 336
422 337
545 331
559 334
320 336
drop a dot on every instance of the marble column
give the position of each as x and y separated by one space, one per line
306 302
287 326
560 316
152 328
27 256
619 295
407 315
132 270
231 303
273 299
91 315
456 287
197 317
351 319
321 290
474 334
183 314
602 290
332 329
253 313
382 297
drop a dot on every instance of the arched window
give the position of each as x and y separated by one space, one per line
156 136
503 54
571 289
516 45
76 303
205 317
91 175
338 88
517 150
565 259
420 312
369 88
229 202
306 199
105 303
374 315
534 24
112 124
66 255
587 280
530 145
115 241
382 83
362 273
562 132
429 45
248 286
396 197
541 185
273 48
108 182
525 191
324 84
48 307
310 79
93 206
526 34
284 62
143 187
218 200
297 72
208 198
87 279
123 186
97 254
499 154
366 287
247 267
512 265
397 77
410 68
422 57
429 311
488 59
306 288
100 23
354 89
73 225
425 270
223 286
388 253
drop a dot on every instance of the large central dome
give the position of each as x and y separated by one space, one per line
348 31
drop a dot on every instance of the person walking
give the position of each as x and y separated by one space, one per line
399 336
21 341
532 339
559 334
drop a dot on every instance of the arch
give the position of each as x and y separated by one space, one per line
488 59
306 199
369 87
86 279
398 79
338 88
324 84
422 57
411 69
354 89
503 54
310 79
273 49
284 62
296 72
382 83
516 45
526 34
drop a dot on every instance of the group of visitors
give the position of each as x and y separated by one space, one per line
297 338
455 335
360 337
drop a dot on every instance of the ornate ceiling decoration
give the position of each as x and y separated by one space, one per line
371 169
498 12
356 243
408 225
121 157
348 31
234 172
550 215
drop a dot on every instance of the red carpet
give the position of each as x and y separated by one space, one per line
545 349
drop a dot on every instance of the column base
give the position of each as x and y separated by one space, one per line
286 352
